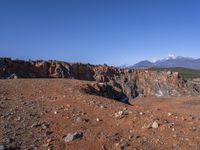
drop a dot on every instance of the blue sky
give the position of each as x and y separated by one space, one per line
115 32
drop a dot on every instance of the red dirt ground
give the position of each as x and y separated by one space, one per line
39 113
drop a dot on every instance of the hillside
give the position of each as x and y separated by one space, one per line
56 114
185 73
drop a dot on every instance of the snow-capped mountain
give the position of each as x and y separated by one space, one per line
170 62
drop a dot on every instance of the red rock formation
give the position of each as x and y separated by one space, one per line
122 82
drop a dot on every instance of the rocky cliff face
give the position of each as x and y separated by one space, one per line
45 69
120 84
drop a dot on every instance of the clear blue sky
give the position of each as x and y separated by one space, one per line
115 32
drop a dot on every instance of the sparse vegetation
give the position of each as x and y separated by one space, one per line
183 72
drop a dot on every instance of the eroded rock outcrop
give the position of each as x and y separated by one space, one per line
45 69
111 82
141 83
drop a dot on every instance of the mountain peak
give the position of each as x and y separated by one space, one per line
171 56
170 62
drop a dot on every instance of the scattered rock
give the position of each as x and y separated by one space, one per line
118 114
121 114
155 125
141 113
98 120
55 112
170 114
73 136
102 106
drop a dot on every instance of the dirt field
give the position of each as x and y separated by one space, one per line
41 114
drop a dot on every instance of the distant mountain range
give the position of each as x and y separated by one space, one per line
170 62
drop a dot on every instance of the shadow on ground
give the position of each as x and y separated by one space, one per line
107 91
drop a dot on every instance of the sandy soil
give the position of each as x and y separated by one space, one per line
40 113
